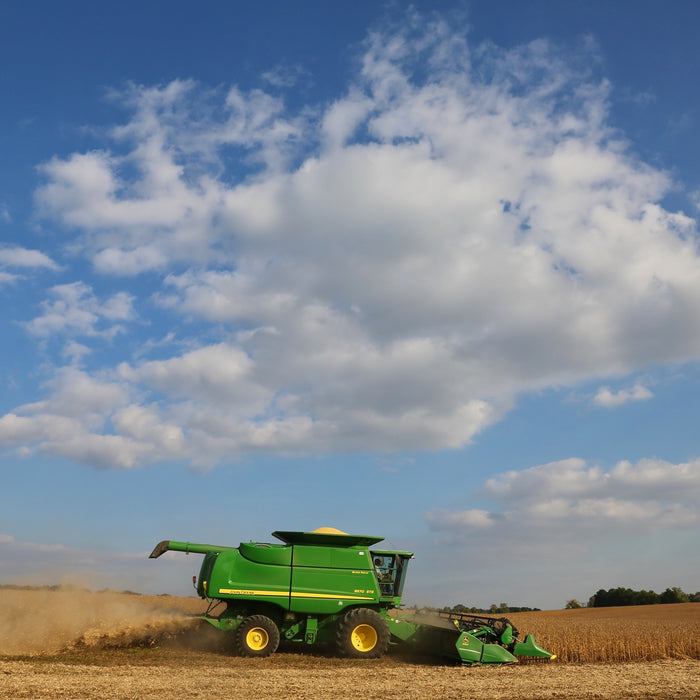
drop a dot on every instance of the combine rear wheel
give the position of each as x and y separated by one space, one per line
362 634
257 636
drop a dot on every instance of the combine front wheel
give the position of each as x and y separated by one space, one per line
257 636
362 634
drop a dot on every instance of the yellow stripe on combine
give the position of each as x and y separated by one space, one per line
332 595
285 594
238 591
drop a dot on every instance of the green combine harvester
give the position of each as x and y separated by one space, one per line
330 587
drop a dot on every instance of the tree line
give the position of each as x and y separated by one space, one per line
628 596
601 599
493 610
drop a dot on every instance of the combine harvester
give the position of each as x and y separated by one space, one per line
330 587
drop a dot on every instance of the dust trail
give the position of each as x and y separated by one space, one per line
34 622
424 617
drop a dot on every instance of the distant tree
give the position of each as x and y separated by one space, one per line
645 598
694 598
626 596
673 595
573 604
612 597
494 609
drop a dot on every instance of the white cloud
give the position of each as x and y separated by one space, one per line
218 373
445 519
386 272
129 262
74 392
74 309
342 119
78 421
75 352
573 502
15 256
612 399
567 525
284 75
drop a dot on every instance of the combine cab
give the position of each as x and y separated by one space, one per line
330 587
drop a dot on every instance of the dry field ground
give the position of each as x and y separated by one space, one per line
101 645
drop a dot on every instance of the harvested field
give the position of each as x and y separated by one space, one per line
120 676
119 647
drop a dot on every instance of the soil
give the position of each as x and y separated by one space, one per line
78 644
170 673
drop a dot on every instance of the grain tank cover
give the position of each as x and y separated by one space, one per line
326 539
277 554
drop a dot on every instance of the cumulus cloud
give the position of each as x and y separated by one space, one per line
74 309
388 271
612 399
23 257
18 258
572 501
86 419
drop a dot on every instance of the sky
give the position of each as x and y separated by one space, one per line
423 271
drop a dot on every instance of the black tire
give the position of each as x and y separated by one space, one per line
257 635
362 634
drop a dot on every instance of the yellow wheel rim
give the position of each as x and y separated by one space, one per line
257 638
364 638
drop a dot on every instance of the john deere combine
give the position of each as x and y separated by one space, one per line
330 587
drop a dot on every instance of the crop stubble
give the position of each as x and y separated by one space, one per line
120 647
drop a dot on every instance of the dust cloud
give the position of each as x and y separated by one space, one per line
424 617
37 622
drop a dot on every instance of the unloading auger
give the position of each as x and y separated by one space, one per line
329 587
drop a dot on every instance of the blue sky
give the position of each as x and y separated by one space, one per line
421 271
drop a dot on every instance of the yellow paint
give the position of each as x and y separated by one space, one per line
364 638
257 638
237 591
285 594
331 595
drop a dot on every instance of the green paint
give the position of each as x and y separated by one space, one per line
313 588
